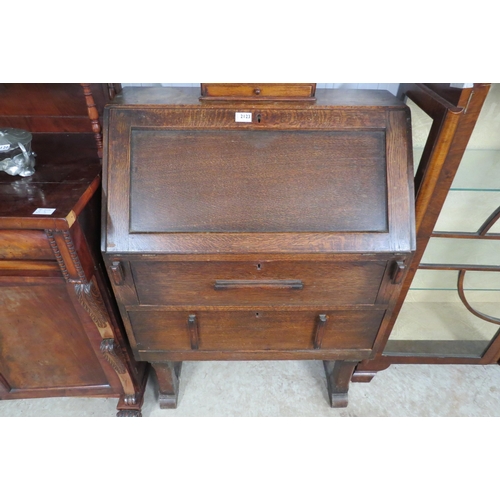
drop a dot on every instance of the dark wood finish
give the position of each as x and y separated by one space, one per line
247 191
31 331
194 336
94 116
252 330
258 91
316 354
274 282
20 244
454 112
60 333
281 238
320 330
338 376
51 107
168 376
324 116
398 273
117 273
457 96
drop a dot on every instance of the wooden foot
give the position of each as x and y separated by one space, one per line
363 376
129 405
368 368
168 375
338 376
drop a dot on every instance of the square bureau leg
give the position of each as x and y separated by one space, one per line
168 375
338 376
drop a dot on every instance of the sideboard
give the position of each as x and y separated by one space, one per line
60 331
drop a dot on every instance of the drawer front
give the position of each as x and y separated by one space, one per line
21 244
260 91
275 283
254 330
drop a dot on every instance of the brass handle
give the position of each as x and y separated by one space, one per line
272 284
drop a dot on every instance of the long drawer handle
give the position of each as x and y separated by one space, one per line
194 337
287 284
320 330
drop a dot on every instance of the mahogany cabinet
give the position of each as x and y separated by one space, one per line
256 229
60 331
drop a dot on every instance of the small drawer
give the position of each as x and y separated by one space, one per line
258 91
254 330
259 283
22 244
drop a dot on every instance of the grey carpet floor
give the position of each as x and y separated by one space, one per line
298 389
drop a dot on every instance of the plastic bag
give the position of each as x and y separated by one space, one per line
16 157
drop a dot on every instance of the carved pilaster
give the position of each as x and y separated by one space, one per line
74 256
90 298
93 115
57 253
66 255
108 351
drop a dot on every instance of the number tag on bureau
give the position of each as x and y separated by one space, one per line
243 117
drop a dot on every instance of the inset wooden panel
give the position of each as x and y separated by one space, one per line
42 342
257 181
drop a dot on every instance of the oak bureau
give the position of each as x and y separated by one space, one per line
257 228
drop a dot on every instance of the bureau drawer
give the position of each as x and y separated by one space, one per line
257 283
258 91
22 244
254 330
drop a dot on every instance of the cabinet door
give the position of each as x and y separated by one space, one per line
43 345
452 307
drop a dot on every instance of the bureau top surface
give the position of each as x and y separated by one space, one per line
67 173
167 96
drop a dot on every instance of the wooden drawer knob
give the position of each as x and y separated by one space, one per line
320 330
117 273
194 337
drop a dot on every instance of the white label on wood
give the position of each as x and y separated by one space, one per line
44 211
243 117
